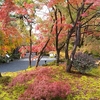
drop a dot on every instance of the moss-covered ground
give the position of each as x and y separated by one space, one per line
83 87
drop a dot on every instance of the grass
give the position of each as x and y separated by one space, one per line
83 87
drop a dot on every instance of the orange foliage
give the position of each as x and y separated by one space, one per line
6 8
25 9
96 34
10 39
54 2
76 2
28 6
10 30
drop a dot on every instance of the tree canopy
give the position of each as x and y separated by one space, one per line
66 20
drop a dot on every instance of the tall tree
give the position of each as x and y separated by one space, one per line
82 14
57 23
80 17
25 12
8 33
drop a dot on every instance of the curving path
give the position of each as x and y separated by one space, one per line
22 64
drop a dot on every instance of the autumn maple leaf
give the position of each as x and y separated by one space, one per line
84 14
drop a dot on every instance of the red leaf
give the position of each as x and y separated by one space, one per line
84 14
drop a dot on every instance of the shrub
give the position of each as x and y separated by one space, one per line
4 59
27 76
83 62
15 56
44 89
40 85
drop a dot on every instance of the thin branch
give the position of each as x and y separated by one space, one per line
70 13
88 7
71 5
61 21
90 25
39 57
62 46
90 19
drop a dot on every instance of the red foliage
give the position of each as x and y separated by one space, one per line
28 6
45 89
6 8
23 51
27 76
10 30
40 44
76 2
54 2
43 86
84 14
26 9
21 11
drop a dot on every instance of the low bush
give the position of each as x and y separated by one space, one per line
46 90
15 56
83 62
40 85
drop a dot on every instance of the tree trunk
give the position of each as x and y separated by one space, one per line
0 75
58 54
58 57
76 43
66 50
66 47
37 63
30 53
70 61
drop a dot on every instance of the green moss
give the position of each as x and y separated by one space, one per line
95 71
83 87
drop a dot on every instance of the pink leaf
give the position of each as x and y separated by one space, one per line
84 14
